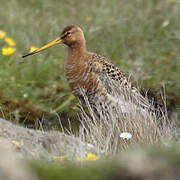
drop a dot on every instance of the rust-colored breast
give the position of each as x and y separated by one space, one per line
89 72
80 75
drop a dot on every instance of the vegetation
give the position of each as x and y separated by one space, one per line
152 163
141 37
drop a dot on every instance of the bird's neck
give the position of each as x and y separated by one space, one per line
76 51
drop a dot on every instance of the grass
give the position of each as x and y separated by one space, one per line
152 162
102 125
141 37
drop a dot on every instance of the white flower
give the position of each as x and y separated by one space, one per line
165 23
25 95
126 135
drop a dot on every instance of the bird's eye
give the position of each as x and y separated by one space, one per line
68 33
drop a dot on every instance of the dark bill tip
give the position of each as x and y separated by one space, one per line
27 55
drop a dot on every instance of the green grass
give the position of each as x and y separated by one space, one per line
154 162
141 37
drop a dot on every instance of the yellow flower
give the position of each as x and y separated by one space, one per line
2 34
8 51
10 42
91 157
33 48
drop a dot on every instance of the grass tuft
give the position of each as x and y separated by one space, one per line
102 125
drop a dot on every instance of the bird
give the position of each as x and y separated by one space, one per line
89 74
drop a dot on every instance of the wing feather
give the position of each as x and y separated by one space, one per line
113 78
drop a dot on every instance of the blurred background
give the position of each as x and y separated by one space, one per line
141 37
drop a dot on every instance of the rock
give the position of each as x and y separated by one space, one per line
11 166
30 143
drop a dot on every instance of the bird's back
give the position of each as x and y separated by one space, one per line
114 81
108 73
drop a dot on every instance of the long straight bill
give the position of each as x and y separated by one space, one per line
56 41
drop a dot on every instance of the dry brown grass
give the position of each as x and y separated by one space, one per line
102 125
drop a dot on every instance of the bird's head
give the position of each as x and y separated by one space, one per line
71 36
